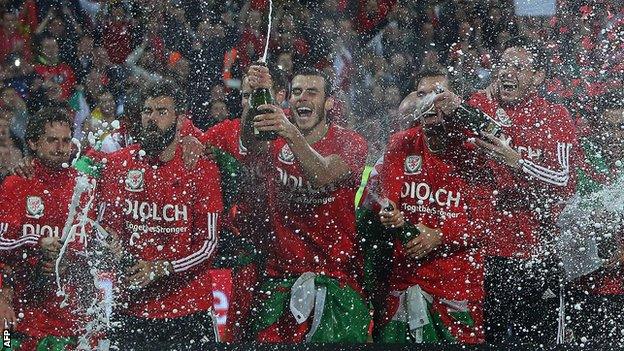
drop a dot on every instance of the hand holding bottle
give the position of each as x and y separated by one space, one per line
426 241
390 216
447 102
259 77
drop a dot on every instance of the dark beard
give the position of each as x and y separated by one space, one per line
436 137
153 141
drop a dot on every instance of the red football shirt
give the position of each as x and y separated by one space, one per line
31 209
163 211
428 190
314 228
527 201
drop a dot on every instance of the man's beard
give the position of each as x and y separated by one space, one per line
435 137
153 141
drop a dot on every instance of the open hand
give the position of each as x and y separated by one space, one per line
500 150
145 272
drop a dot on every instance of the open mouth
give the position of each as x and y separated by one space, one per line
304 112
509 86
430 113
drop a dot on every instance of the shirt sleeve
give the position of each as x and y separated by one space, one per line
206 218
353 152
391 176
550 178
12 243
225 136
188 128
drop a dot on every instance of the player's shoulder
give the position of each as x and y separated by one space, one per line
557 110
342 132
13 182
120 159
479 98
125 153
205 168
347 136
404 137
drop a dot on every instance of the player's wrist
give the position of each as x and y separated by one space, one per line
165 268
294 137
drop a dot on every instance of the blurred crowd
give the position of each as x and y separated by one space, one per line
96 55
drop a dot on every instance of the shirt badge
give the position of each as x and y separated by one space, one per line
413 164
134 181
286 156
503 118
34 207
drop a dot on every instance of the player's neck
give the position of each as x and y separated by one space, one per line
169 152
317 133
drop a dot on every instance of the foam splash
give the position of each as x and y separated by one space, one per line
268 36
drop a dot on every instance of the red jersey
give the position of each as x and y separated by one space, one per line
163 211
225 135
428 190
528 200
314 228
31 209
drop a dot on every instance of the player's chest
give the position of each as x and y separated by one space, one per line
288 176
44 210
527 132
427 181
146 194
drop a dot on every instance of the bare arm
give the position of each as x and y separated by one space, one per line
320 170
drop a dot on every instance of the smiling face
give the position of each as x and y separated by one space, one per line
309 103
53 147
517 76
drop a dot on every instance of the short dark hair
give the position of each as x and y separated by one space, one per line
430 71
533 47
311 71
169 89
35 126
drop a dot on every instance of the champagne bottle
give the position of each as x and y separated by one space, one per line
405 233
88 166
477 121
260 96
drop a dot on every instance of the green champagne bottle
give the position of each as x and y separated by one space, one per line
477 121
259 97
406 233
88 166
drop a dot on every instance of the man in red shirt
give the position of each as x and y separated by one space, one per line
436 284
50 68
167 219
244 191
314 265
530 169
33 213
